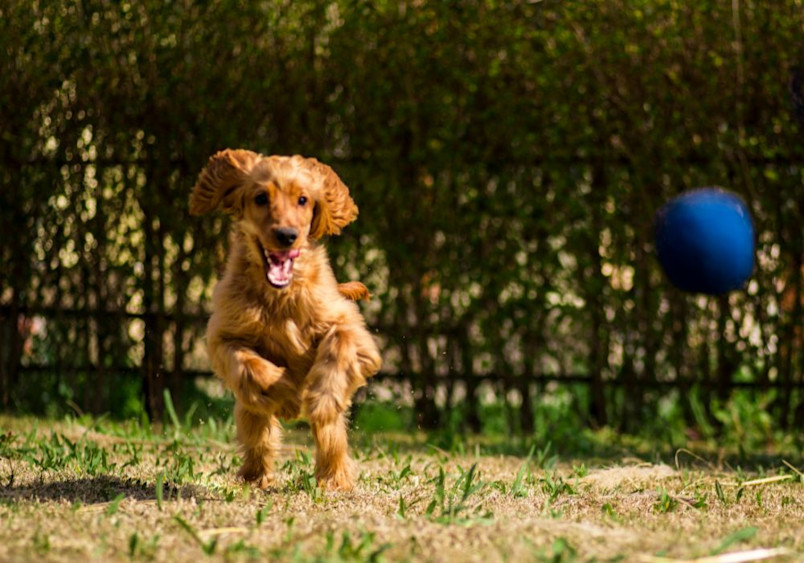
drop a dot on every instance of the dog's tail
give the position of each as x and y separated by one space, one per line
354 290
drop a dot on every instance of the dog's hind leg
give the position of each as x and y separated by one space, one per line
260 437
346 357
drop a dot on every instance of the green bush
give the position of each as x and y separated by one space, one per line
507 158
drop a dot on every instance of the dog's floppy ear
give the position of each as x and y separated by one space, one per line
334 207
217 184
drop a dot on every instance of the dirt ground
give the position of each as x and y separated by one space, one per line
71 492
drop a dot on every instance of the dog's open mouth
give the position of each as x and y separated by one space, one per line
279 266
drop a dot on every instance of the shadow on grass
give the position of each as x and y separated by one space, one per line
96 490
588 447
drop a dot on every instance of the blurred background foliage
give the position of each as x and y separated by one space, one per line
507 158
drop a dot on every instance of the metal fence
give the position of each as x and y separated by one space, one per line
507 158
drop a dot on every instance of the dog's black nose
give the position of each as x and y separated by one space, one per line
286 235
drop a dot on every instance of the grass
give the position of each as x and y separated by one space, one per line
79 488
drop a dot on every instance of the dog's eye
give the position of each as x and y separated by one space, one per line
302 201
261 199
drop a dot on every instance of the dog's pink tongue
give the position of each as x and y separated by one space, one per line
280 267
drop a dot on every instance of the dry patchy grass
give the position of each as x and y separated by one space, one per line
111 493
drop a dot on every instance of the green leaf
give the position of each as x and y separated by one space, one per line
741 535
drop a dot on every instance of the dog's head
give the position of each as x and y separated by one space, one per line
279 203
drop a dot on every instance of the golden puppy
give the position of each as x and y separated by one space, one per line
284 336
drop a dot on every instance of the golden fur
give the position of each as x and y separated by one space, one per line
299 349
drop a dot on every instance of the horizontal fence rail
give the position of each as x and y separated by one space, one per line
507 381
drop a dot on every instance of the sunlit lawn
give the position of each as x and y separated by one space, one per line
96 489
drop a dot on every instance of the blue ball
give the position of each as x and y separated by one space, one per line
705 241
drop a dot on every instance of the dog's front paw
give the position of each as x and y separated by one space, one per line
260 375
262 387
253 399
289 410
